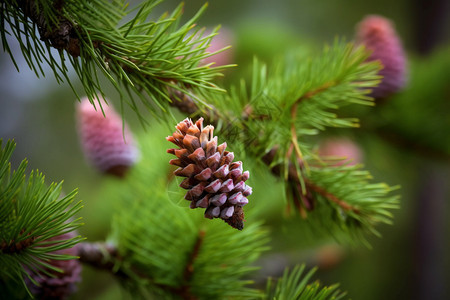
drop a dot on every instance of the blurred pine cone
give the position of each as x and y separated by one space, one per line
224 38
62 285
340 151
213 180
379 36
102 139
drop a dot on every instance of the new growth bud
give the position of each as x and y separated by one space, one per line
378 35
108 148
223 39
344 150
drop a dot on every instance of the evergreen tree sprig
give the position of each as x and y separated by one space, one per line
166 250
273 117
297 96
346 195
295 284
140 58
33 217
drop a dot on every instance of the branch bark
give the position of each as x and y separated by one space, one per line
99 255
104 256
62 36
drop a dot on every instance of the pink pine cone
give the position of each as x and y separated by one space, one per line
103 141
63 284
378 35
223 39
338 148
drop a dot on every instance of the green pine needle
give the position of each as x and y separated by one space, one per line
294 285
146 56
31 214
167 249
298 96
349 206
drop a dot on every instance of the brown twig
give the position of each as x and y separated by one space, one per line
312 93
293 177
294 107
100 256
62 36
184 290
333 198
104 257
13 247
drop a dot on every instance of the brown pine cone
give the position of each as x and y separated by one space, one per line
213 180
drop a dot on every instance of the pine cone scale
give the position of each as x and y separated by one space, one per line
222 172
227 186
204 175
214 186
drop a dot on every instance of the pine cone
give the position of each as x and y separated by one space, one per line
213 180
344 149
223 39
379 36
103 141
63 284
182 101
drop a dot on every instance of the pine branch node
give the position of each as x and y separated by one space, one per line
62 35
13 247
184 290
331 197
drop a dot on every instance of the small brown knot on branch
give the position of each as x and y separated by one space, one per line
61 34
183 102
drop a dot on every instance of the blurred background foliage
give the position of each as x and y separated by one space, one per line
405 141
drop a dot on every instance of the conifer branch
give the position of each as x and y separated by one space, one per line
105 257
283 146
140 58
294 284
62 35
294 143
312 93
35 223
293 177
294 108
333 198
13 247
303 186
99 255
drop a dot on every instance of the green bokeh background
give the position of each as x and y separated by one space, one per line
405 264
